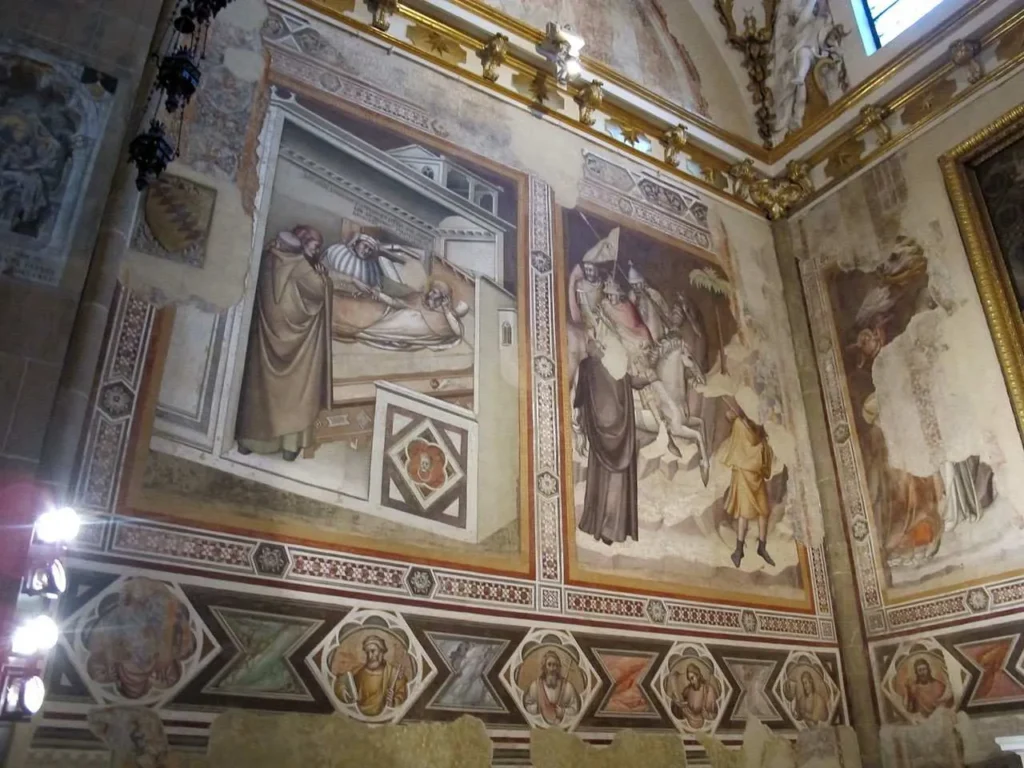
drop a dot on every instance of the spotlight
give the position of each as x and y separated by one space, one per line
36 635
57 525
49 580
21 697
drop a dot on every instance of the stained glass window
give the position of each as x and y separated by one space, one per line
888 18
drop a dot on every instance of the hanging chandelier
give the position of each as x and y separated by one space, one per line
177 80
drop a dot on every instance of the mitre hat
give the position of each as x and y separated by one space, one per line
633 276
604 250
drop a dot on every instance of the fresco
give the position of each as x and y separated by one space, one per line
808 691
315 436
753 678
175 220
375 668
550 679
414 664
138 642
468 687
690 684
921 679
265 643
936 473
52 115
810 70
631 37
366 390
678 480
913 513
626 696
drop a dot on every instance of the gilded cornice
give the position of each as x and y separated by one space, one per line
881 77
681 143
994 54
493 64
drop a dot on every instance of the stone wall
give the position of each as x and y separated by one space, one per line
36 319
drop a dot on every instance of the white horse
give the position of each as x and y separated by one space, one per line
666 400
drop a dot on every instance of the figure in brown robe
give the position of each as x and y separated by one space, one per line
286 380
608 421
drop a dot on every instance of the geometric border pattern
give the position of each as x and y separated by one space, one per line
952 642
327 614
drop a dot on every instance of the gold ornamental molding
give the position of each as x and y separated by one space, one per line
737 171
755 43
883 75
966 67
741 144
492 63
775 196
988 264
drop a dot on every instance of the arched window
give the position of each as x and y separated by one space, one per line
885 19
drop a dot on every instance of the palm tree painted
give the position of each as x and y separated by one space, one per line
708 279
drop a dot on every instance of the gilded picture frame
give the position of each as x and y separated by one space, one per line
987 260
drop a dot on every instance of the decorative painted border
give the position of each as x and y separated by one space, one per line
951 641
202 595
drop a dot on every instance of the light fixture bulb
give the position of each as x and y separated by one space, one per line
57 525
33 692
573 68
46 632
22 641
36 635
12 696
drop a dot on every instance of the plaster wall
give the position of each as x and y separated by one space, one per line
920 389
36 319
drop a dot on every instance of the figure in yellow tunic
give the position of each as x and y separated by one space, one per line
749 456
375 685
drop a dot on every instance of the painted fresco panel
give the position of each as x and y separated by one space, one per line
929 474
399 223
367 386
681 449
